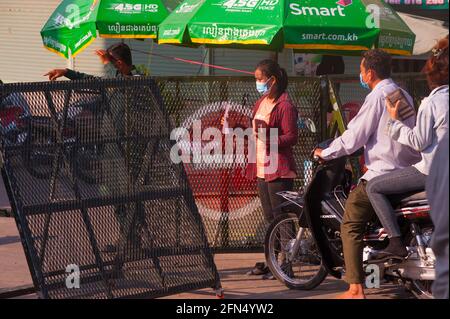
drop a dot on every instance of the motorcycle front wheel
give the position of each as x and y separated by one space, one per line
298 266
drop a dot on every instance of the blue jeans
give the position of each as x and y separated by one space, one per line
398 182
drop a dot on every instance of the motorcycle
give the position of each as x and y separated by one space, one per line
304 245
38 139
12 125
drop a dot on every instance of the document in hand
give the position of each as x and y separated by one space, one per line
405 110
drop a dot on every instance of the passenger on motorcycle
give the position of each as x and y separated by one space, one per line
382 155
431 127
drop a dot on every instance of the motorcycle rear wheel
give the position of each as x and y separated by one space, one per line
38 154
305 271
88 163
421 289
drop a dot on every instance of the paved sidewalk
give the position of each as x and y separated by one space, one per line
14 268
232 268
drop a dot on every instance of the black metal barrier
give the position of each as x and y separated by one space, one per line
228 202
91 161
102 210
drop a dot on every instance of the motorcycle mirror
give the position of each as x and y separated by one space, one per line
308 124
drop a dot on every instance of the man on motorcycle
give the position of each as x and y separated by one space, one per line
382 155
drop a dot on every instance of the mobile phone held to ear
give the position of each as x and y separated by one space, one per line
405 110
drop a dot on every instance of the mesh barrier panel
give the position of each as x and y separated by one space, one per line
89 165
97 198
228 202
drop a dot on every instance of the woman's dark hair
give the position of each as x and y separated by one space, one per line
271 68
436 68
121 51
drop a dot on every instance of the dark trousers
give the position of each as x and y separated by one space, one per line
268 195
270 201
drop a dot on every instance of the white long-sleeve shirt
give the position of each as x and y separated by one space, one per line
368 129
431 126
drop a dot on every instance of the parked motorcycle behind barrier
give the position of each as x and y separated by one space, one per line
38 138
303 247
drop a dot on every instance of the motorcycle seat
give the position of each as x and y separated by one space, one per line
410 198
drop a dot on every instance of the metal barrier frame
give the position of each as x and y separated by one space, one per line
326 97
84 204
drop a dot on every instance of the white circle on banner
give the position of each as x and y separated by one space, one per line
238 211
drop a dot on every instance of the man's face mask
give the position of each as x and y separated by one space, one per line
363 84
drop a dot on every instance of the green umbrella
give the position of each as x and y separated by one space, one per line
322 26
74 24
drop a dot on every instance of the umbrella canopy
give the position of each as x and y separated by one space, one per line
325 26
428 32
74 24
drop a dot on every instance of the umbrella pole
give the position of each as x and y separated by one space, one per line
71 61
274 56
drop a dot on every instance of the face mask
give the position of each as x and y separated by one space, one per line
262 88
363 84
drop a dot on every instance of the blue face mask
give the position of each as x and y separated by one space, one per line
363 84
262 88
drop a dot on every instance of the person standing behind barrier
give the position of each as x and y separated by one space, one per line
117 60
118 63
274 110
331 64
